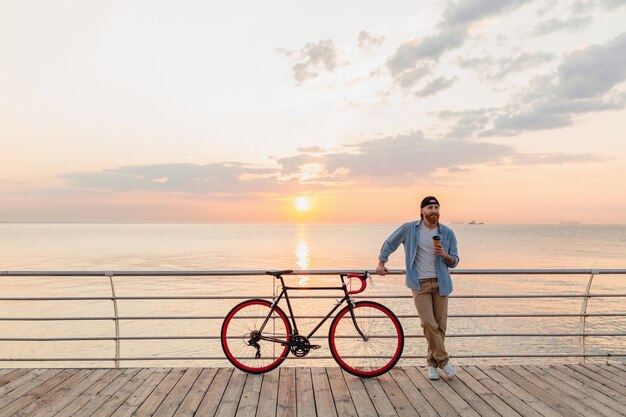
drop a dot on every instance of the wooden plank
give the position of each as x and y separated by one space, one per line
621 374
621 366
11 375
286 393
250 396
418 401
505 391
57 405
452 397
95 403
191 402
379 398
478 396
585 388
497 374
142 392
232 395
305 400
213 396
341 394
39 402
20 380
24 388
396 396
154 400
360 397
89 393
591 382
112 404
619 380
578 398
35 392
542 395
429 392
324 403
176 396
269 394
4 371
600 378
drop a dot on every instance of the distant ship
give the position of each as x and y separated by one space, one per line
474 222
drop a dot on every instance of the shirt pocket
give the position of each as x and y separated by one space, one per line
446 244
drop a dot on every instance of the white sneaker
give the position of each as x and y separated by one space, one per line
449 370
432 373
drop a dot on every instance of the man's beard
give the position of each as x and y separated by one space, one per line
433 218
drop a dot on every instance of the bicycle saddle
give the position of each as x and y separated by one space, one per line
278 273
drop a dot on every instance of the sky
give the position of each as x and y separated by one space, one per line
510 111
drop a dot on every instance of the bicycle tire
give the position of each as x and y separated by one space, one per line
238 324
371 357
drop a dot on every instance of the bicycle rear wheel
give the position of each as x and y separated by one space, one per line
244 345
381 349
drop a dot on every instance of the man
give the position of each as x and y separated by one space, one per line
428 276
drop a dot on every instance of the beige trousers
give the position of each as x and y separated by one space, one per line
433 311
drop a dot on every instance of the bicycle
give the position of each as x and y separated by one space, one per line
365 338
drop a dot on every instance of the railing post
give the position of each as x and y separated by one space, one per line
583 315
116 319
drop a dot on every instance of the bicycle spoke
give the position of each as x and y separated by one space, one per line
378 352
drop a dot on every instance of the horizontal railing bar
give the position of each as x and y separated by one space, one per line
401 316
417 336
545 271
221 358
245 297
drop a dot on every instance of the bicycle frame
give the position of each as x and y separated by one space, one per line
284 292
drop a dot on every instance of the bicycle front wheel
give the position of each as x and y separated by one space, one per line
248 347
379 347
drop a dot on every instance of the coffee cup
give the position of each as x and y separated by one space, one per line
436 241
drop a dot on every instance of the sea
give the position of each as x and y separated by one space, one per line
185 247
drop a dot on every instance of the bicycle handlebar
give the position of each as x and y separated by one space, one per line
363 278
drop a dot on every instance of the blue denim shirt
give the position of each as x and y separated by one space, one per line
408 235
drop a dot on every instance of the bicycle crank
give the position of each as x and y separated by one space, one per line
300 346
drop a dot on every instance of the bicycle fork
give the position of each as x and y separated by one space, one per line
356 325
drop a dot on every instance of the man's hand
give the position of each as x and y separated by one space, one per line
438 249
449 260
380 269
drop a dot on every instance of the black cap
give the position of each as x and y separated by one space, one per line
428 201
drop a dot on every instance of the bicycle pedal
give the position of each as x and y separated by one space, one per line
315 346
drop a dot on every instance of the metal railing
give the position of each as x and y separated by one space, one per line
117 338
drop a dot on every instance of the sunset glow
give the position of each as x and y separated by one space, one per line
221 112
303 204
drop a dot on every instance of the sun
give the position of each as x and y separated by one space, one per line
303 204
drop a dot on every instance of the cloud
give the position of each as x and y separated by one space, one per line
409 78
592 71
612 4
414 52
310 149
435 86
553 25
369 40
393 160
522 62
313 58
497 69
186 178
585 81
453 32
555 159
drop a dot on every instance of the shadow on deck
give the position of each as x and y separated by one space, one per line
539 391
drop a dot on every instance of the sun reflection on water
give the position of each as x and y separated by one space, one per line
302 260
303 255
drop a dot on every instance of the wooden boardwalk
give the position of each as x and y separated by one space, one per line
537 391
